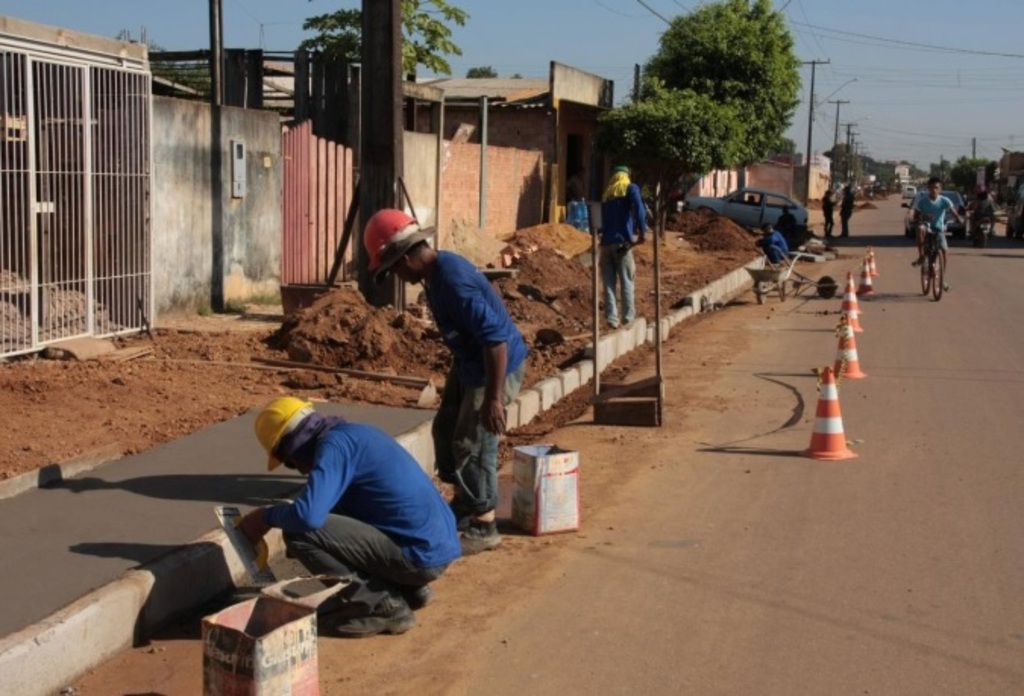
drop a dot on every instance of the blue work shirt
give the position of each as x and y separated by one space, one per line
774 246
623 219
470 315
361 472
937 209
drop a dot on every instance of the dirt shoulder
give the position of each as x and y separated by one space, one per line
202 370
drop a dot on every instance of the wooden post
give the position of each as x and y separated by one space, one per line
381 150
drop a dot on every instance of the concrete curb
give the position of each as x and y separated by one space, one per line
50 654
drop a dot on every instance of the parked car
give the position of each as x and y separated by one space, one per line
909 192
751 207
955 229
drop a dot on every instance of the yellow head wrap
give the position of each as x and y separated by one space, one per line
617 186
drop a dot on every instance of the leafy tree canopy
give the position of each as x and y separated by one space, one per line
964 174
482 71
670 133
740 54
426 30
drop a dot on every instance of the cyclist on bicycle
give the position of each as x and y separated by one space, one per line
930 217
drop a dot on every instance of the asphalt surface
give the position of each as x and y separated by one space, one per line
61 542
732 565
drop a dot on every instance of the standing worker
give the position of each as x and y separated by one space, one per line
623 224
828 205
368 512
846 210
488 364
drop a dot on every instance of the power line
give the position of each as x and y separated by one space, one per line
654 12
913 44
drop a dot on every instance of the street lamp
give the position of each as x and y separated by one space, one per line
836 90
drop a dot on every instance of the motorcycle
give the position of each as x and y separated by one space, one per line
983 230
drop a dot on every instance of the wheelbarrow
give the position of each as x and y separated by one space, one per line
770 278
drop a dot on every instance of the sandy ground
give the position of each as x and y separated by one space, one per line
201 371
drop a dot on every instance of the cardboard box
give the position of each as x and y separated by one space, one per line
546 493
262 647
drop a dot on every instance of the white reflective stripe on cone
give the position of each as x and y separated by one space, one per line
828 426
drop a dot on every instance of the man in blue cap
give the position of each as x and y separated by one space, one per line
623 224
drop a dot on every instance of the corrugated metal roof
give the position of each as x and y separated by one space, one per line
505 89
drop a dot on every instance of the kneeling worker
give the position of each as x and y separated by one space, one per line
367 512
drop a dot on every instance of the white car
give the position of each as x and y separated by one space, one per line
751 207
909 192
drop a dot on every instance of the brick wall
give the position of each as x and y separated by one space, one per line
514 191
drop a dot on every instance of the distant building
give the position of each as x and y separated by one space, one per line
902 173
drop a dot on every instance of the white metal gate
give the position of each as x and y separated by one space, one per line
74 196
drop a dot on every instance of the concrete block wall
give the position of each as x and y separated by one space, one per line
514 188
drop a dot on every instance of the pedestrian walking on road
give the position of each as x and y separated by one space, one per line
488 365
367 512
623 224
828 204
846 210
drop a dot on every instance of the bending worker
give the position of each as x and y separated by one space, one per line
773 244
368 512
488 364
623 224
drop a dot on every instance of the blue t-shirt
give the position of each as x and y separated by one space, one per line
470 315
937 209
363 473
623 219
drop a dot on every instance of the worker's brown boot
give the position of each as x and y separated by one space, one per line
479 536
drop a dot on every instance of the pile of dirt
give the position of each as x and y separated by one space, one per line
475 244
868 206
342 330
707 232
564 240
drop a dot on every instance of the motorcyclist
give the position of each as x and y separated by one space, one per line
981 209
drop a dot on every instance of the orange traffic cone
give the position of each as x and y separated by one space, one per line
828 442
865 280
851 308
847 363
872 268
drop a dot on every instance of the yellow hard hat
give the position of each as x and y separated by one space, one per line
278 417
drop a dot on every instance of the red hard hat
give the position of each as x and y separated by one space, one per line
388 235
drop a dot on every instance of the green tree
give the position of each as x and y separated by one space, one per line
785 146
425 29
940 169
964 174
669 135
738 53
482 71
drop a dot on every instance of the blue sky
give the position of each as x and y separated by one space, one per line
908 102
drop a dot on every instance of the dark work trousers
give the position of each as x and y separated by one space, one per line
465 453
378 569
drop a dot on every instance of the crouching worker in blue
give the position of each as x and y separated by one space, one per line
773 244
367 512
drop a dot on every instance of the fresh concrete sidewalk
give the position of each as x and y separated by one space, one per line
97 561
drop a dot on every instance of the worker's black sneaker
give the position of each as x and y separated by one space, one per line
392 616
479 536
419 597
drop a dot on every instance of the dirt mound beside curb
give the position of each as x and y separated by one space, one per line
707 231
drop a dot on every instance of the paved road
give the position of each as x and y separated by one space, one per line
732 567
714 560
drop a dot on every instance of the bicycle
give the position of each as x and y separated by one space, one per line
933 265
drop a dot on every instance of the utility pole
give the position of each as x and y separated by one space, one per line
974 148
810 128
381 147
636 83
835 141
849 151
